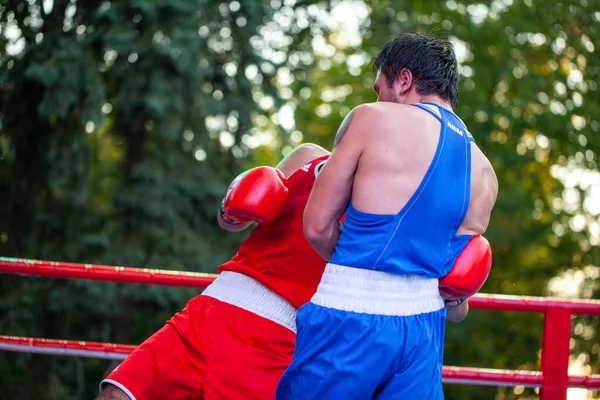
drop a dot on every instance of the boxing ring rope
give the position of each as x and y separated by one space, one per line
109 351
553 379
54 269
71 348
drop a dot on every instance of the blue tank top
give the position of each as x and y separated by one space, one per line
421 239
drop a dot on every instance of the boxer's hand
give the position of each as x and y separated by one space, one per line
470 271
256 195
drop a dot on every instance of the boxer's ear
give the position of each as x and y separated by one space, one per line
404 82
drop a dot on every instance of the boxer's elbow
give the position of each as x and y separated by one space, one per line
322 240
315 231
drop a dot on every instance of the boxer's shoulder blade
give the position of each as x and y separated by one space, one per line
396 160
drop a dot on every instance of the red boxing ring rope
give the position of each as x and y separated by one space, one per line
54 269
555 352
109 351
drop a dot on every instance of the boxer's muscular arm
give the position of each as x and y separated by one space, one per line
333 188
288 165
485 197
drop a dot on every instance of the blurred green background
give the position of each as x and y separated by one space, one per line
122 123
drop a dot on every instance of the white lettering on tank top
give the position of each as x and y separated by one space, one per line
455 129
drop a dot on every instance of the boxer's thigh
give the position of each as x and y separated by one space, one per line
339 355
250 358
419 372
167 365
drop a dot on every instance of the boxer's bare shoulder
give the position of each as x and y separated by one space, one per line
299 156
111 392
380 120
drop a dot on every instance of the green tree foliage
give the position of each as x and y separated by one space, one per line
121 124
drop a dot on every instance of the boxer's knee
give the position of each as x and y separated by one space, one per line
111 392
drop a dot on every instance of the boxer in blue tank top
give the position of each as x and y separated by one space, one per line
415 188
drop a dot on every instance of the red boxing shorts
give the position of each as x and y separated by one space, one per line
214 349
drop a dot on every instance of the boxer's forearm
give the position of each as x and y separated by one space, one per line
321 222
458 313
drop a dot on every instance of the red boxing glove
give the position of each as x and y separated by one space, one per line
470 270
256 195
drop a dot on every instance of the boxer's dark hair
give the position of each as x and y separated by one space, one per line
431 60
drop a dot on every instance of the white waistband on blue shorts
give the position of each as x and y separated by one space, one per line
245 292
376 292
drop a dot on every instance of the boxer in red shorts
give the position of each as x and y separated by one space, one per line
236 339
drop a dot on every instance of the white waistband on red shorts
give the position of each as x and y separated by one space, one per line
376 292
245 292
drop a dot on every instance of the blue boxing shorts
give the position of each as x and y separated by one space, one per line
368 335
